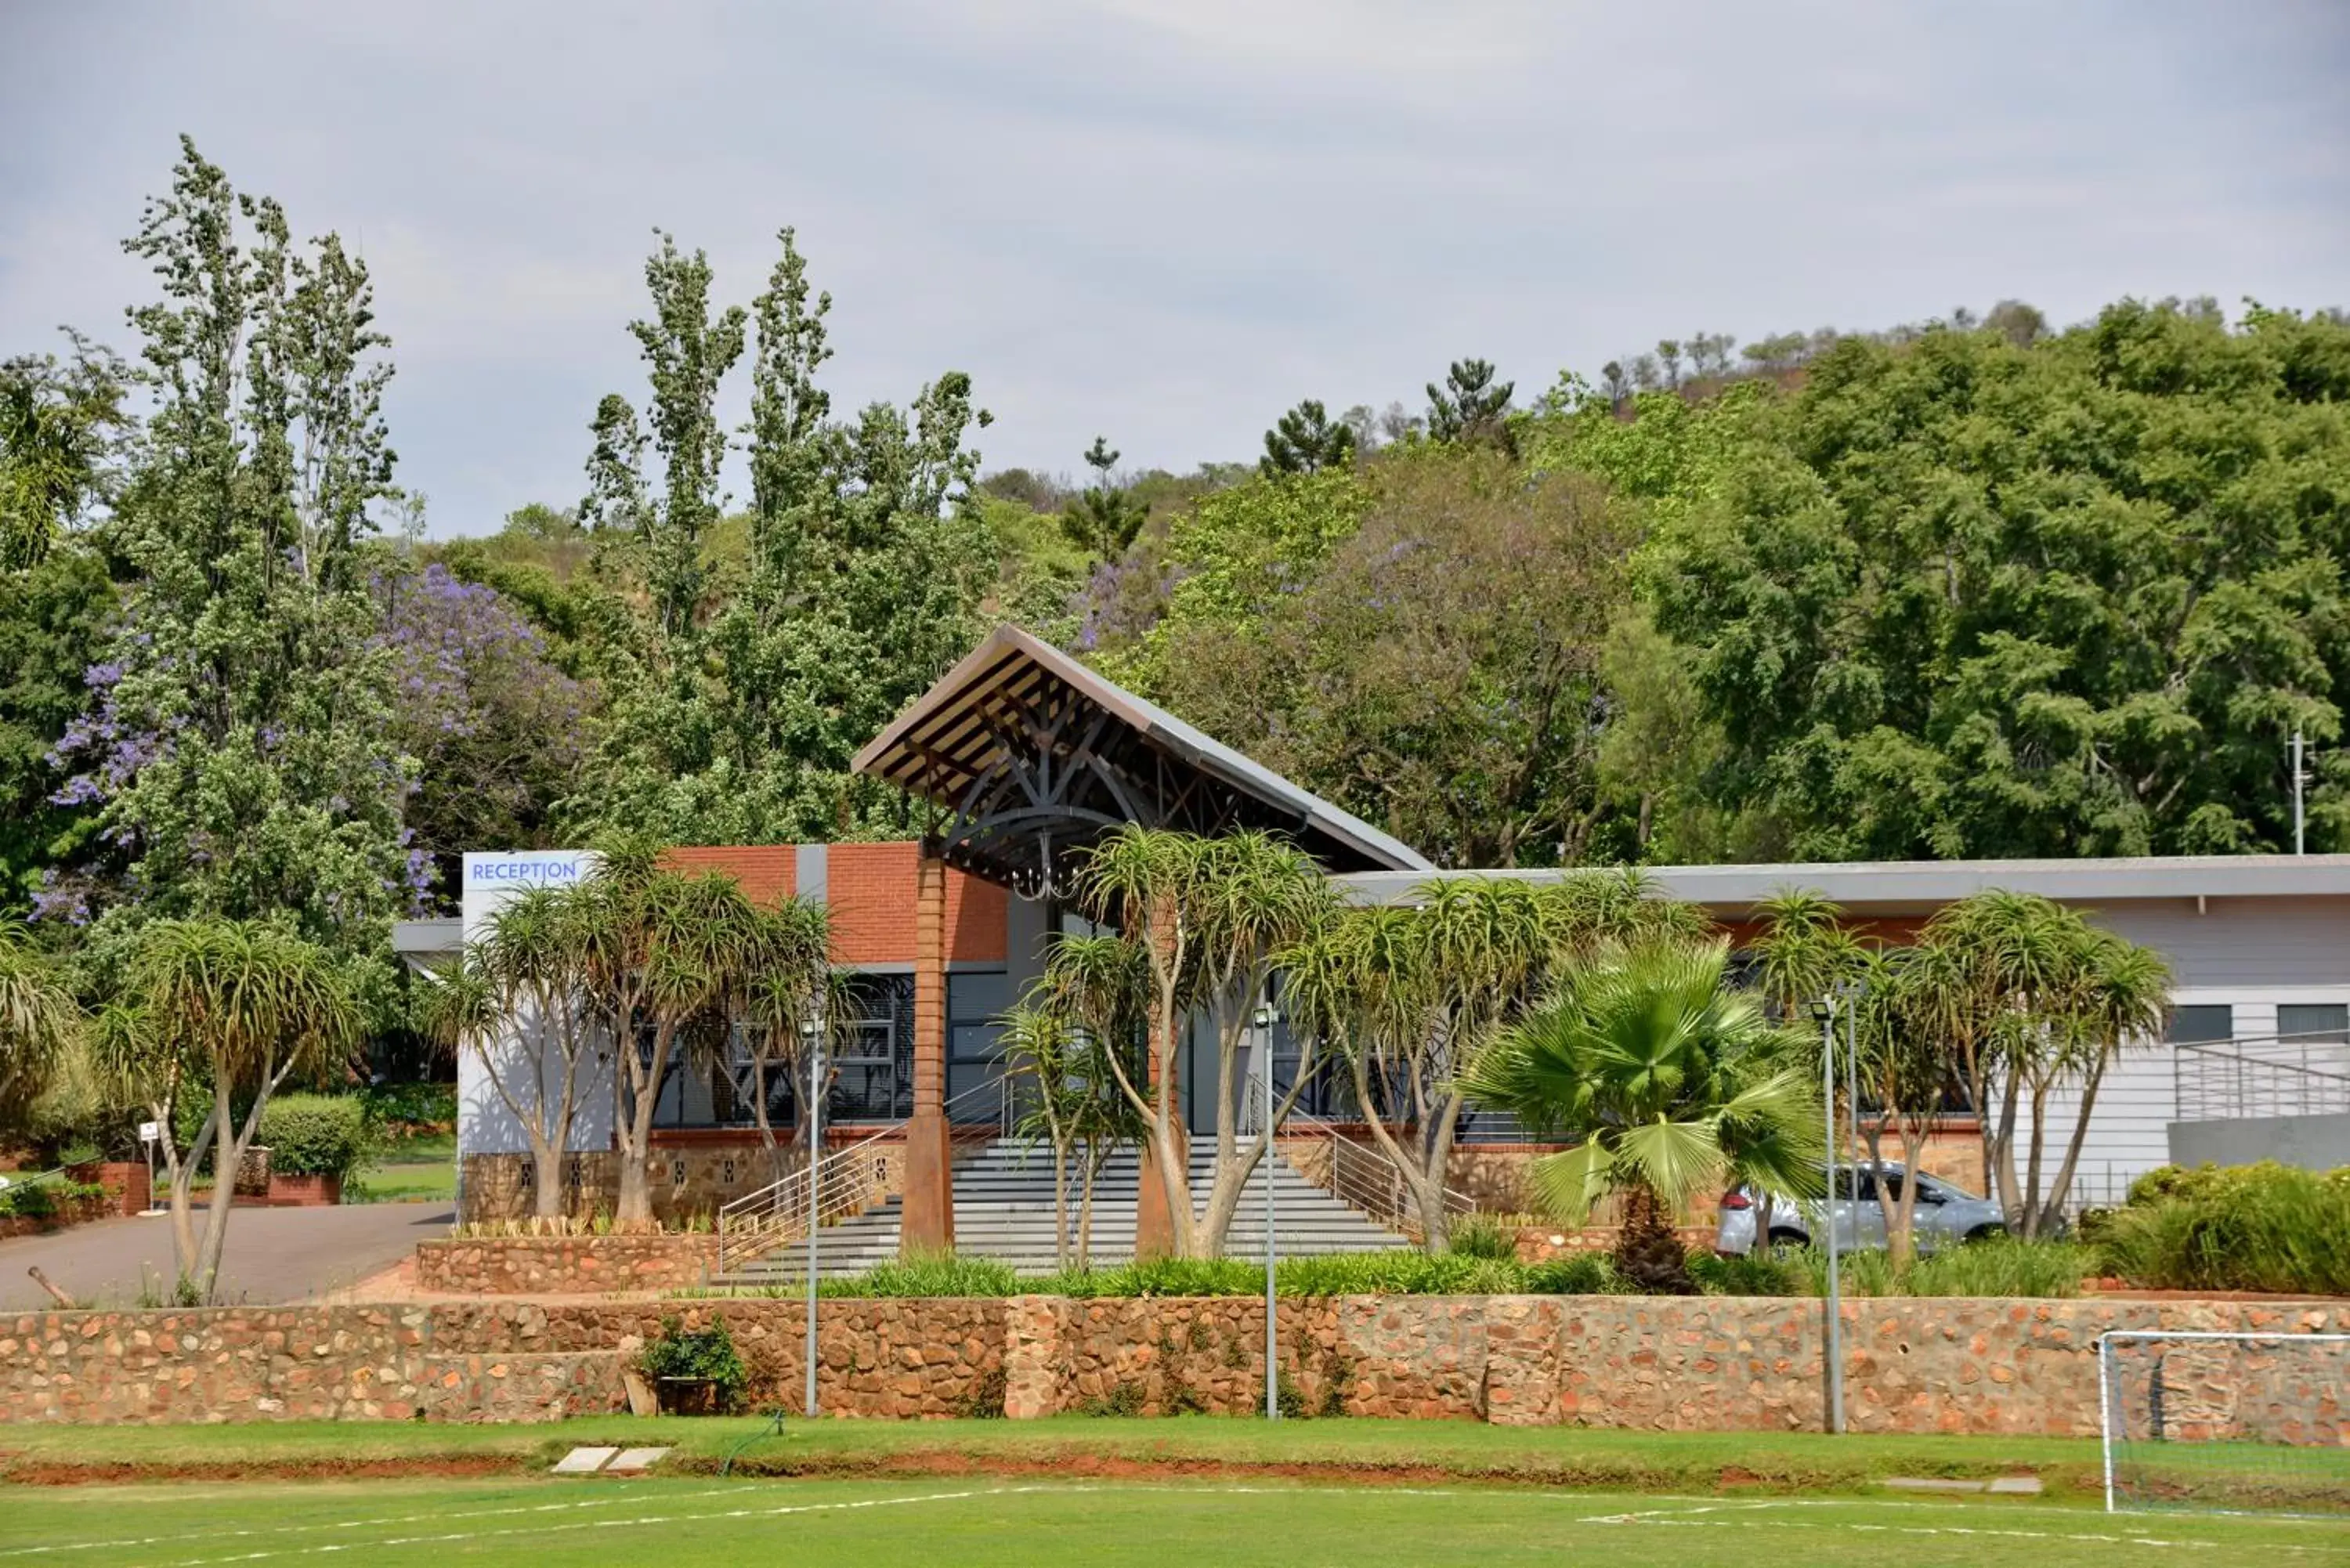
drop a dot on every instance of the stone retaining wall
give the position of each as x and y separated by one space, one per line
564 1265
1701 1363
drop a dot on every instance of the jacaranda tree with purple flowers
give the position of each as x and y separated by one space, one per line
497 729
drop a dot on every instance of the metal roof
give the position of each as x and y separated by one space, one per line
1908 886
1016 693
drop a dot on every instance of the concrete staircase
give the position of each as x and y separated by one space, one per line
1003 1208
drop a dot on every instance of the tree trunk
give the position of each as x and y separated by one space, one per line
1085 1219
2000 1150
635 1211
1648 1252
2032 1210
1060 1202
2062 1188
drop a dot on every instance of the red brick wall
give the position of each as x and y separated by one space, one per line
871 890
768 872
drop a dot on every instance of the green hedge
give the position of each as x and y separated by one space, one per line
317 1135
1989 1268
2267 1228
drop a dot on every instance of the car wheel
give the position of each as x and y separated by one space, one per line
1987 1233
1788 1240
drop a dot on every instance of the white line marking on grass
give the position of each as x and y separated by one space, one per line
2087 1537
195 1535
446 1537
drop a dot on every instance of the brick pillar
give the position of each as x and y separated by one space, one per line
929 1166
1154 1224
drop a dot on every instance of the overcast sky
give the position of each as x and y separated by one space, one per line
1167 220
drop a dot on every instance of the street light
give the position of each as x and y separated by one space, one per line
1824 1010
812 1038
1264 1019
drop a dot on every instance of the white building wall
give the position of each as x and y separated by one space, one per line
2252 954
484 1123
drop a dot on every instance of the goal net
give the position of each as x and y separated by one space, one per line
2225 1422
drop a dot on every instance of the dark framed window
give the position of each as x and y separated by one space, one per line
2202 1024
2312 1023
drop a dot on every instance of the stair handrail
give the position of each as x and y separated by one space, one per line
1362 1176
848 1182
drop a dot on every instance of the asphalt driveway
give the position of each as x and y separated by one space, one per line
274 1255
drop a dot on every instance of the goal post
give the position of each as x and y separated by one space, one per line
2216 1421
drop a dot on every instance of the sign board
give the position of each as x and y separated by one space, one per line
149 1132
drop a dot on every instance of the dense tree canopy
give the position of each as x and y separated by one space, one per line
1963 597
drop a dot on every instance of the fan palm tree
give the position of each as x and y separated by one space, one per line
1667 1084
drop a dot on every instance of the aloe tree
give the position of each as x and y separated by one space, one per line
2047 999
2113 994
227 1011
1205 919
1075 1106
786 972
1408 996
665 956
519 1001
1258 896
39 1020
1666 1082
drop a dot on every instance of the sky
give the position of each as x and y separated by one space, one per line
1166 221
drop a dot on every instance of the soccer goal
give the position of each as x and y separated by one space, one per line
2225 1421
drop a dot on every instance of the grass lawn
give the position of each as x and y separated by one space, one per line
974 1522
421 1171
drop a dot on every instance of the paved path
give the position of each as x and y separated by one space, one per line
273 1256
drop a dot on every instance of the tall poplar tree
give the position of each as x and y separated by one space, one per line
238 737
863 582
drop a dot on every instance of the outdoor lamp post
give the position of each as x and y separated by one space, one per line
812 1038
1824 1011
1264 1019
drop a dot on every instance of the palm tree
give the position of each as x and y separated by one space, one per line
1667 1084
233 1008
39 1021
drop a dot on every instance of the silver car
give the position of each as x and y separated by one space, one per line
1943 1214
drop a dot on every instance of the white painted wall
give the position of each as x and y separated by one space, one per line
484 1125
2249 953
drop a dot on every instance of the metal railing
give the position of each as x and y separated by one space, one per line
848 1182
2276 1076
1362 1176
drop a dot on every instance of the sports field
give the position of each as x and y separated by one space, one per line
1358 1494
971 1523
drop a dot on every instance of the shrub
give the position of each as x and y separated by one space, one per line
697 1352
27 1201
1576 1274
405 1111
1483 1236
2001 1266
317 1135
1764 1274
930 1274
2266 1227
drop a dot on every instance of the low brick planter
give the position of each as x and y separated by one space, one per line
564 1265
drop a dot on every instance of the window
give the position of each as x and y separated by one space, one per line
2312 1023
975 999
2202 1024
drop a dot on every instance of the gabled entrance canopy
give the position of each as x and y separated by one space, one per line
1037 756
